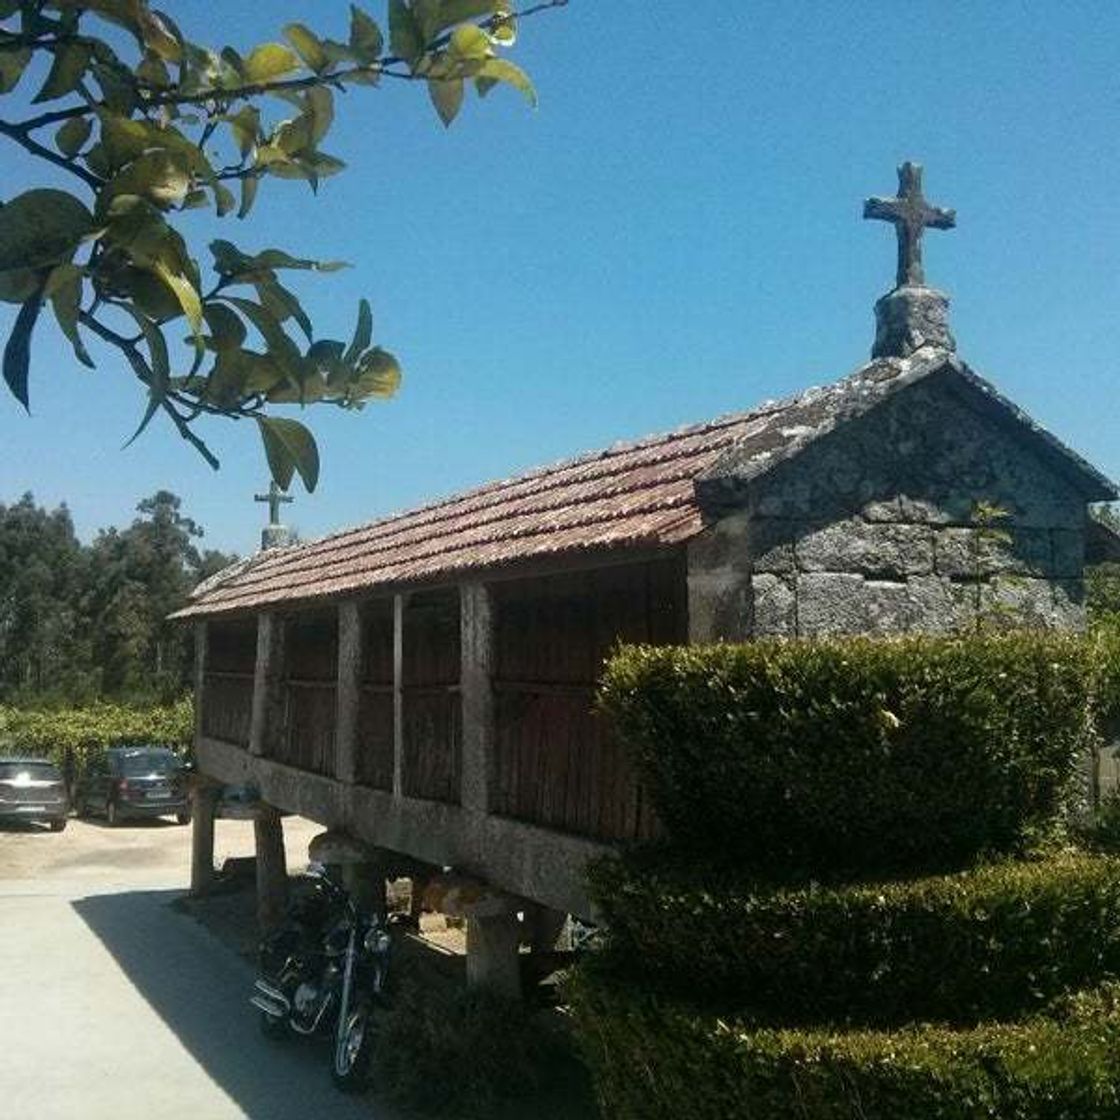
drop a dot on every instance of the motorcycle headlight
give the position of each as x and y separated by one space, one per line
377 941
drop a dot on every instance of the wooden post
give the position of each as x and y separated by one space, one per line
398 695
272 868
349 691
477 696
268 727
204 801
201 638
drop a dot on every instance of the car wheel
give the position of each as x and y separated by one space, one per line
352 1049
112 817
183 818
58 824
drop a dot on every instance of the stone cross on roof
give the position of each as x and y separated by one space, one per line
274 497
911 214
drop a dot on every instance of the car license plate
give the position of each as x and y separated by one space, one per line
158 794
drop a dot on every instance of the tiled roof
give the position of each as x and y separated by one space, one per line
633 495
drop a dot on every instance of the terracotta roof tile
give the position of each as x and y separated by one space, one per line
642 494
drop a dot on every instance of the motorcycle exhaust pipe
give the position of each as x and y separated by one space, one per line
272 995
268 1007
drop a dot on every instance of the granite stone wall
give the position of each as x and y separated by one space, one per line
872 530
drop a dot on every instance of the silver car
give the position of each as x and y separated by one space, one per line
33 789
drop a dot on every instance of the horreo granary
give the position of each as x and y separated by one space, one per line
423 686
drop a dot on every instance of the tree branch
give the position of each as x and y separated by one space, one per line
18 133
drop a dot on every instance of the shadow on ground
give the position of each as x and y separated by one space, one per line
200 989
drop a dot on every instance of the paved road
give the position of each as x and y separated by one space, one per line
114 1005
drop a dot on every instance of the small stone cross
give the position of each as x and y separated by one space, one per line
274 497
911 214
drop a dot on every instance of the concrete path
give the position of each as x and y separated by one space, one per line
114 1005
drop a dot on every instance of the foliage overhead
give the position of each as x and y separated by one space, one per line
149 125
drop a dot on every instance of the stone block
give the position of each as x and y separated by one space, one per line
830 603
1067 547
1015 601
926 510
723 545
772 544
884 550
965 553
774 606
718 606
1069 603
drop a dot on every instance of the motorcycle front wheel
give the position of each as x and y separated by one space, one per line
353 1046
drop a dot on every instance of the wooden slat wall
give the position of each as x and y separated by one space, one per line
432 723
311 688
227 696
555 763
375 712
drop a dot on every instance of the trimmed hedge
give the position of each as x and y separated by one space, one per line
996 942
856 756
655 1060
73 737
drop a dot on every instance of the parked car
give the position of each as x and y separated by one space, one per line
131 782
33 789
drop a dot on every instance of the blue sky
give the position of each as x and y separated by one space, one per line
674 234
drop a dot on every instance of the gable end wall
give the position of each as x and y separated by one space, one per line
870 531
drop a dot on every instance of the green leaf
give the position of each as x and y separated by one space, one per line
366 40
307 46
269 61
160 364
249 187
223 199
185 292
227 331
64 290
447 97
289 447
18 284
363 333
41 227
12 66
283 304
66 72
406 39
280 347
379 375
471 43
319 112
245 126
160 176
72 135
17 351
502 70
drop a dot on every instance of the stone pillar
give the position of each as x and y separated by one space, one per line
201 639
204 802
543 928
493 956
398 695
268 724
349 691
363 869
719 583
366 883
272 868
477 696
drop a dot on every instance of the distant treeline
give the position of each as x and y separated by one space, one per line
82 623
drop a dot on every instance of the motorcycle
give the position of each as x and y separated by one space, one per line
325 970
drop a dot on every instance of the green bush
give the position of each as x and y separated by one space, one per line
656 1060
75 737
461 1052
995 942
855 756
